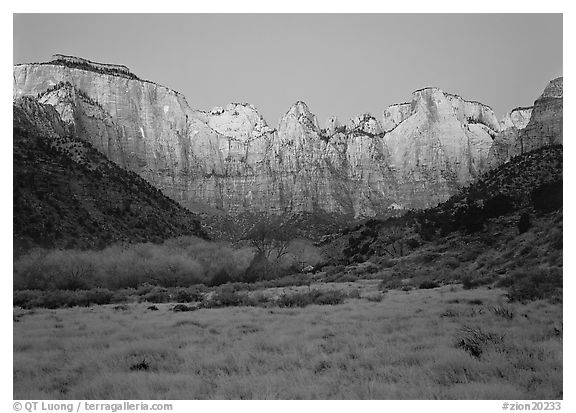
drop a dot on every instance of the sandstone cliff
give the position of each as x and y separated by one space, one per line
526 129
545 125
504 144
68 195
229 159
438 145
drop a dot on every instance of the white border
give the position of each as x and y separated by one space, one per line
254 6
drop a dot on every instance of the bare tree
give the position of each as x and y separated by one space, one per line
271 239
393 240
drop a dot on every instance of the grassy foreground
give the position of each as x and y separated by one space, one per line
439 343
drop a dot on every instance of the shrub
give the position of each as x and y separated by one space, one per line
354 294
56 299
303 299
504 312
98 296
122 296
385 262
187 295
23 298
141 365
296 299
475 341
428 285
468 282
428 257
157 295
256 300
224 297
555 238
333 270
524 223
533 284
548 197
332 297
391 281
451 262
221 277
341 277
144 289
391 284
498 205
178 262
375 298
62 298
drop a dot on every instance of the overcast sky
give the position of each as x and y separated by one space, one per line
339 64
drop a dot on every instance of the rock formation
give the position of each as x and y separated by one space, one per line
68 195
545 125
526 129
437 146
504 144
229 159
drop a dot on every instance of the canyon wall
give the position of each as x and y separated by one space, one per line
529 128
229 159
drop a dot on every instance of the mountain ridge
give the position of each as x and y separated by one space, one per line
417 155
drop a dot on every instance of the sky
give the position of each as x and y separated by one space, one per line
339 64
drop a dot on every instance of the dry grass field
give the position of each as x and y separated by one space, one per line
440 343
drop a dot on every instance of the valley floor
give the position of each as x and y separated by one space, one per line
442 343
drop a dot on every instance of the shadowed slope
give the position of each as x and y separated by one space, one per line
67 194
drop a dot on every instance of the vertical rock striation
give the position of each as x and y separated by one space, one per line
437 146
526 129
229 159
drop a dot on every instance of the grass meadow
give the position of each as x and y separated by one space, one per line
440 343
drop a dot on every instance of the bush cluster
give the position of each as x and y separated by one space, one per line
180 262
62 298
303 299
226 296
533 284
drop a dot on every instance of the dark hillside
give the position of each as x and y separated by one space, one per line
503 228
68 195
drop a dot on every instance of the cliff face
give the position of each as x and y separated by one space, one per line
230 159
526 129
441 144
545 125
505 144
68 195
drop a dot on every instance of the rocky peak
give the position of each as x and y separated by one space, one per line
299 127
240 121
545 125
440 104
529 128
517 118
366 123
395 114
431 146
473 112
299 112
554 89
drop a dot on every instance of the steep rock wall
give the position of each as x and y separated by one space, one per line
526 129
230 159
